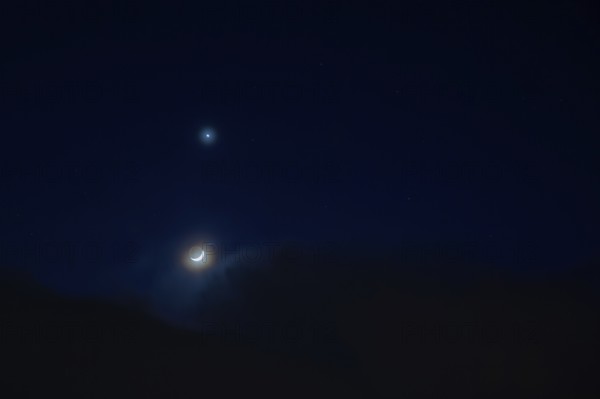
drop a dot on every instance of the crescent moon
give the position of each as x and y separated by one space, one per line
199 258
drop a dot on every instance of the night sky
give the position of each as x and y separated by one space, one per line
381 134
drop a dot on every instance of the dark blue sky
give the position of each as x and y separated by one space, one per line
466 125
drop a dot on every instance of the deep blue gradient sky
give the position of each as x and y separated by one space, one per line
468 125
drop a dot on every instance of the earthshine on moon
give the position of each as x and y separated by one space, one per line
198 258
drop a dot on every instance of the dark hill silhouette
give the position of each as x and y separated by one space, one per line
81 348
382 331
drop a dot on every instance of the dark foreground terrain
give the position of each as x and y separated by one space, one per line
410 334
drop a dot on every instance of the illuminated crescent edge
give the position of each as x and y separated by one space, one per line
199 258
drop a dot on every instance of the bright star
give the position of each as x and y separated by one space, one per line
207 135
